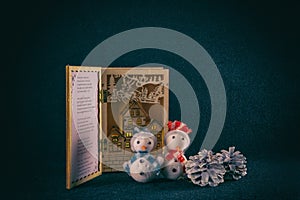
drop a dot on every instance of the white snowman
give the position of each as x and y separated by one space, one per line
176 142
143 167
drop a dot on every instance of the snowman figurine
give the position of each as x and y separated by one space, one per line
176 142
143 167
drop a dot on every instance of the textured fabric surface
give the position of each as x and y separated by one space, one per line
252 43
264 181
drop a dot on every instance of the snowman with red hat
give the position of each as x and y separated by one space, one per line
176 140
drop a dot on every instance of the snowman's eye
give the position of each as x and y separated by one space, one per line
173 137
137 142
149 143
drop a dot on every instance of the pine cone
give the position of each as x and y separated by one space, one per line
234 163
205 169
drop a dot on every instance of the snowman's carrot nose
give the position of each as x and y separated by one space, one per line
144 148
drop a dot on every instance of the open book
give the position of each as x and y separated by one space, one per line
103 106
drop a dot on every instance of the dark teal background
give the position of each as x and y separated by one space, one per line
254 45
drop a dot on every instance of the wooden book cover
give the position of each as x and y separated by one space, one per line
103 107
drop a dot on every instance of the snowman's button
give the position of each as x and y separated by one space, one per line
142 173
174 170
142 161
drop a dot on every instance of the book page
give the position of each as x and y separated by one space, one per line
85 125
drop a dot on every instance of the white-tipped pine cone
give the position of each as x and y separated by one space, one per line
205 169
234 163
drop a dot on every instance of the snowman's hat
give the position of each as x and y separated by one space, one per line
137 130
178 125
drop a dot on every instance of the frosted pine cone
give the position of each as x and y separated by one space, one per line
205 169
234 163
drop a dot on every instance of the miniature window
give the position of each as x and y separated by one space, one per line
137 112
154 127
131 112
139 121
128 134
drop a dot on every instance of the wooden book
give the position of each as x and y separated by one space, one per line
103 105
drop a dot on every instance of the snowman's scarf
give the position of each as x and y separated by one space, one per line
143 154
147 156
170 154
